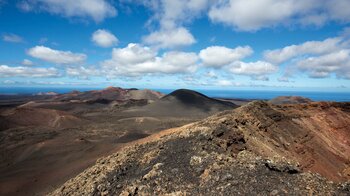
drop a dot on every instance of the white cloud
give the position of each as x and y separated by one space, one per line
311 47
171 17
248 15
9 82
338 10
175 12
82 72
225 83
56 56
12 38
256 14
172 14
257 70
104 38
179 62
7 71
137 60
98 10
188 80
218 56
323 66
251 15
318 59
27 62
283 79
170 38
133 54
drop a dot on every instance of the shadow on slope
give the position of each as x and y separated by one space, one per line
184 103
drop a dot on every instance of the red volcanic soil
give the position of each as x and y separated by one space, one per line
25 116
317 135
110 94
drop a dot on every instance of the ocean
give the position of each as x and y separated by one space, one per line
241 94
265 95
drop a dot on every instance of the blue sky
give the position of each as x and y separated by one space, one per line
201 44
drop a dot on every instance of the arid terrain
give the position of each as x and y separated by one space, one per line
49 138
183 143
174 97
256 149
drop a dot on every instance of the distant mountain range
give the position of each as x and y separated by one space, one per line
109 94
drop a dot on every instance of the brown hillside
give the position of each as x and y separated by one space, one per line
256 149
290 100
26 116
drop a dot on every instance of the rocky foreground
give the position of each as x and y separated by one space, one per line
258 148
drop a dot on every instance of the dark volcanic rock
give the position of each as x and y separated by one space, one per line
193 98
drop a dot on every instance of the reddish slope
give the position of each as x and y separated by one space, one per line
25 116
316 135
109 94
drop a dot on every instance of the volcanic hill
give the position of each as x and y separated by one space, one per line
289 100
258 148
184 102
195 99
109 94
96 100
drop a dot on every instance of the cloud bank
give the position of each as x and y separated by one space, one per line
98 10
56 56
7 71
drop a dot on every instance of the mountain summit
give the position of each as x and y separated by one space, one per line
184 103
193 98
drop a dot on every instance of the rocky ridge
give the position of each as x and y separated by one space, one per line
289 100
256 149
109 94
